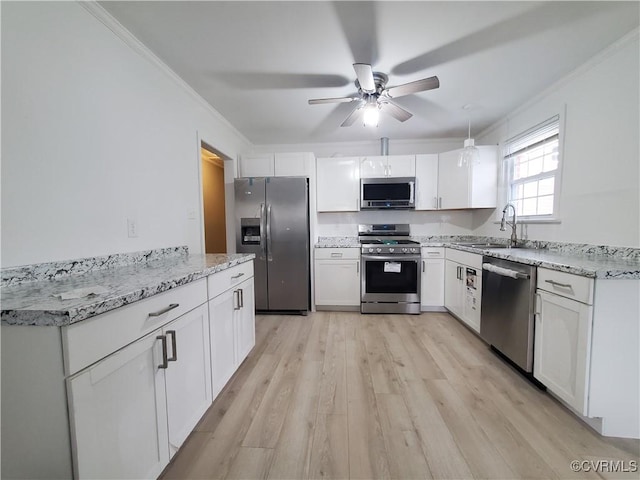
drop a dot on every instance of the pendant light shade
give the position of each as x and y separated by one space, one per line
469 155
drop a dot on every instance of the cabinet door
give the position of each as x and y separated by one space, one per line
432 282
427 182
562 348
337 282
259 165
222 335
373 166
472 296
401 166
453 287
453 181
118 414
245 321
293 164
338 184
188 378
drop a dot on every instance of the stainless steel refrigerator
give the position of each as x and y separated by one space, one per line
272 221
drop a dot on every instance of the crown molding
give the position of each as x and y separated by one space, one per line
141 49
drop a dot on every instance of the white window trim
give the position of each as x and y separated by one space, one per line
505 184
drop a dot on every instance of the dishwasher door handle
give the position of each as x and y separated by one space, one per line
504 272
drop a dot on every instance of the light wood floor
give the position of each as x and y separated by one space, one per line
339 395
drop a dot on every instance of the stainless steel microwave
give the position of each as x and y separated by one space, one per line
387 193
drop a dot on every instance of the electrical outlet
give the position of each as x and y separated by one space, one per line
132 228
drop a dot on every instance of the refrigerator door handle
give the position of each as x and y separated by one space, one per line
263 237
269 256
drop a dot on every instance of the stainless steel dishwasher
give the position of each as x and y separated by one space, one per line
507 315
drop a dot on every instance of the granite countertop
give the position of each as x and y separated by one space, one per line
36 303
586 265
602 262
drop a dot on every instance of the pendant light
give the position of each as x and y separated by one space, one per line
469 155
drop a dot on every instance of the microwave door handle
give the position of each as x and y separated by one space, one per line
411 193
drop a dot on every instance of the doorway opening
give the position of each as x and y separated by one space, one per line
213 200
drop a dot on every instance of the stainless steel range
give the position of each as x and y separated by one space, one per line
390 273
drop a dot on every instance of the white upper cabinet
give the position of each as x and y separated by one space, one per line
388 166
474 186
427 181
260 165
338 184
298 164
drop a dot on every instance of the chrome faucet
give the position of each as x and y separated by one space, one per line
514 223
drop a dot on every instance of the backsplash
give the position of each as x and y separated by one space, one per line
53 270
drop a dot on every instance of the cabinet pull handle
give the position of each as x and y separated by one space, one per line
439 202
235 277
165 360
164 310
358 268
336 255
389 167
536 306
558 284
236 299
433 253
435 202
242 298
174 347
422 266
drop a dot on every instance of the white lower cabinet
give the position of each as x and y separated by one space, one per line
119 415
134 409
432 280
116 395
563 328
232 328
463 286
562 344
337 278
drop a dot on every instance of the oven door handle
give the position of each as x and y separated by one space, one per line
393 258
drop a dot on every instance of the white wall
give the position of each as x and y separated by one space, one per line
600 201
94 132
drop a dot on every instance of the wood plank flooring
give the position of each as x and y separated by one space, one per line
343 395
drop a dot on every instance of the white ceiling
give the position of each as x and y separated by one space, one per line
258 63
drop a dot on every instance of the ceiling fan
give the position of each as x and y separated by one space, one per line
374 96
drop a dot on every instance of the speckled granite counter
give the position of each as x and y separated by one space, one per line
35 302
586 265
603 262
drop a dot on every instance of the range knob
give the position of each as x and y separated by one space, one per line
391 250
404 250
370 250
378 250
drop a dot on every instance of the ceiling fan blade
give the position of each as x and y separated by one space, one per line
413 87
395 111
353 116
364 72
319 101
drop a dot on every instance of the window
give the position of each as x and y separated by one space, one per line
532 164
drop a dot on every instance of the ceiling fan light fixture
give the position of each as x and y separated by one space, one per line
371 115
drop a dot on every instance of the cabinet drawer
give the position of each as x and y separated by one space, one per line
432 252
224 280
337 253
87 342
566 285
465 258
